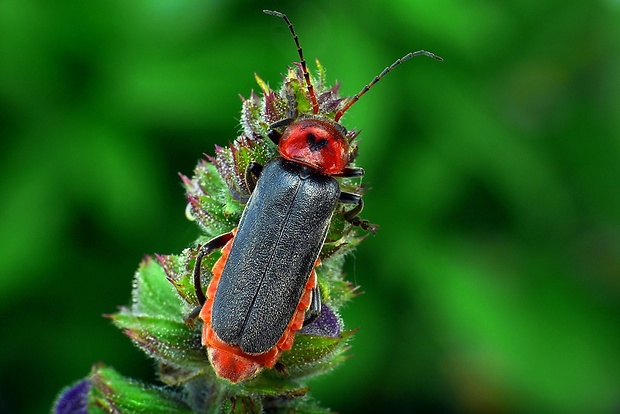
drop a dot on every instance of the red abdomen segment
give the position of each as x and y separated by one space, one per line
229 361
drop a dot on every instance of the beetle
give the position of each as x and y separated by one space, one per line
264 286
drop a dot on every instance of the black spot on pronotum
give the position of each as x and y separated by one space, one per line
315 144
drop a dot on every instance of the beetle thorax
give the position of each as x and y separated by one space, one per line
318 143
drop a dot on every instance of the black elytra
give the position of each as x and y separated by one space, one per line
279 238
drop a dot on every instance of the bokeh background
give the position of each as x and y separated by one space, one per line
493 284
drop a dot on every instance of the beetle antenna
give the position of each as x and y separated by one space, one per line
304 67
377 78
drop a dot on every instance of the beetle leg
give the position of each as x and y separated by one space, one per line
213 244
350 198
252 172
189 318
281 368
352 216
350 172
314 311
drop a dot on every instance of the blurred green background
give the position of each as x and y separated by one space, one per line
493 283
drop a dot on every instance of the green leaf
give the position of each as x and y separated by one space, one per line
113 393
152 294
169 342
312 355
